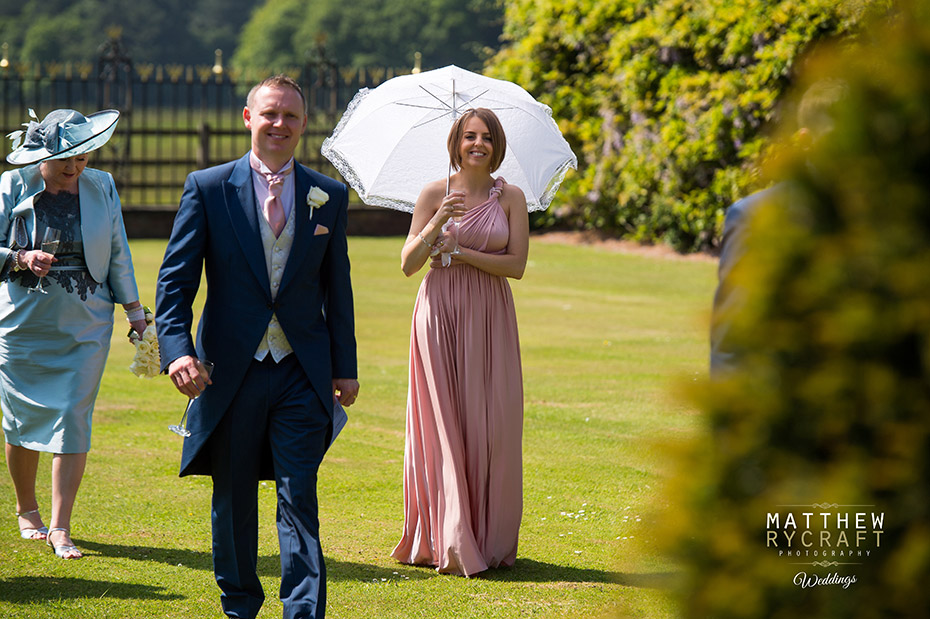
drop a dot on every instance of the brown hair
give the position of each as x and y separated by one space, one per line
276 81
498 139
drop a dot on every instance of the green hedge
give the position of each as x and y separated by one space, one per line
831 406
664 101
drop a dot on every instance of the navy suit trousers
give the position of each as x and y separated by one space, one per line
275 409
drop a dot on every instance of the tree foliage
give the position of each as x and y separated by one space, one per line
665 101
829 406
371 32
163 31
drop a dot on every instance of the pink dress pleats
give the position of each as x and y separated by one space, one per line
463 487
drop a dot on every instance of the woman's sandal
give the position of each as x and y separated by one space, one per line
62 549
39 533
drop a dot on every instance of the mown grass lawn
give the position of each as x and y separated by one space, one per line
607 339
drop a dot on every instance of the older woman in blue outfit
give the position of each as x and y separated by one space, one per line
53 346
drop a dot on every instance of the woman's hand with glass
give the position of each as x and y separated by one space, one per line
452 207
435 207
447 217
39 261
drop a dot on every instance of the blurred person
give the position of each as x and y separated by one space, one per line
814 121
278 322
463 494
55 335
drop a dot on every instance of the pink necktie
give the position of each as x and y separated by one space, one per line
272 208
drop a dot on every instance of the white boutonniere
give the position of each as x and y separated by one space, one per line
316 198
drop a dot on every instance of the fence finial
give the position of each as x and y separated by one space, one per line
417 57
5 61
218 62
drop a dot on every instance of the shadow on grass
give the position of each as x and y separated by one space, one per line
365 572
525 570
655 580
268 565
528 570
31 589
193 559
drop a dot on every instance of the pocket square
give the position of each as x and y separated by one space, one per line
320 229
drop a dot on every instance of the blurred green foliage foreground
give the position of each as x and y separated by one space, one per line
829 412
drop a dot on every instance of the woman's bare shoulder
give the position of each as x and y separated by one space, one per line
434 188
511 195
512 191
432 194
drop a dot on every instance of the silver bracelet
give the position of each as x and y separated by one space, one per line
425 242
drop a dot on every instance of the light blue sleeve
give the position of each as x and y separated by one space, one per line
121 277
9 191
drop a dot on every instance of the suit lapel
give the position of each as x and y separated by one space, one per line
302 223
240 203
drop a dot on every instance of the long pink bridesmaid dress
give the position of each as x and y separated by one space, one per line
463 486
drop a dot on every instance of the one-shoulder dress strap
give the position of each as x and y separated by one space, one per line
497 188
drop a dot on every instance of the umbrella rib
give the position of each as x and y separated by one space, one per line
486 90
425 107
426 122
423 88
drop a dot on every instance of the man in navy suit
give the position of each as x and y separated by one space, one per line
278 324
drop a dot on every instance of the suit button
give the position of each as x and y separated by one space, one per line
269 306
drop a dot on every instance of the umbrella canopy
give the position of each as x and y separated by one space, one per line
391 140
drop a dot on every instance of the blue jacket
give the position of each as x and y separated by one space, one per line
106 250
217 228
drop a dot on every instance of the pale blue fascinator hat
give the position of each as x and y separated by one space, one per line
61 134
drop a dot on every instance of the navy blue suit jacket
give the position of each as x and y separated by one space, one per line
217 228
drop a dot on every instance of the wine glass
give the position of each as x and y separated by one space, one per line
206 369
456 221
450 238
50 246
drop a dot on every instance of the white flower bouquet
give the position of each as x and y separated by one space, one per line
147 362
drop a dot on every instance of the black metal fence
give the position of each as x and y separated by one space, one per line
174 118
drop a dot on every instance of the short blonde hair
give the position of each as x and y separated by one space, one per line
498 139
276 81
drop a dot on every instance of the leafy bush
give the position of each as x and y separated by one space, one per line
829 408
665 101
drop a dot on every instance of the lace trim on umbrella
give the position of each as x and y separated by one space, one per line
549 194
572 163
345 169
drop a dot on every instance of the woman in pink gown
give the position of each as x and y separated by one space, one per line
463 493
